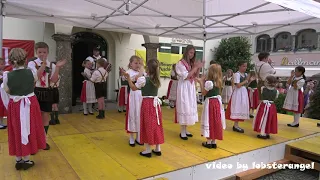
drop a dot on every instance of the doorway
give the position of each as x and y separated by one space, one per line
82 47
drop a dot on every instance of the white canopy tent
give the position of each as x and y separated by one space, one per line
192 19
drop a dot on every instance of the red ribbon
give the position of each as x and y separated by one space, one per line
188 67
42 81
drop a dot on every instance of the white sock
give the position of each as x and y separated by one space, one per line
18 158
138 137
90 108
148 149
183 131
26 158
187 132
251 111
85 110
209 141
296 118
236 124
213 141
131 139
158 148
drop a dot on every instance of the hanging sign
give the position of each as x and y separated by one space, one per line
9 44
298 59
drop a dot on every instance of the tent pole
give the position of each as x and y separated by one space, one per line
1 27
204 34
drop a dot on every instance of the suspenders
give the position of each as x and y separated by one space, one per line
49 76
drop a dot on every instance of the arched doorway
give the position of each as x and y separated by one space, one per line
82 47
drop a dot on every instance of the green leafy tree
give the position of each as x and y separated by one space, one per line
232 50
313 111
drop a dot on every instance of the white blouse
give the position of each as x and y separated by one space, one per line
141 82
97 76
208 85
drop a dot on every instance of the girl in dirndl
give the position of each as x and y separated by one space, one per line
88 95
25 127
172 88
253 93
294 99
228 87
134 102
123 93
151 130
266 121
238 107
3 109
213 116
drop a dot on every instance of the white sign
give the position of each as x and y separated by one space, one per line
181 41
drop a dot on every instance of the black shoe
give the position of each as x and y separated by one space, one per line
132 145
238 129
214 146
47 147
3 127
28 164
138 143
124 110
189 135
19 164
158 153
268 136
100 116
251 116
119 111
318 124
262 136
91 113
52 122
205 144
184 138
85 114
146 155
57 121
297 125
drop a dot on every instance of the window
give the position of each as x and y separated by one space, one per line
283 42
175 49
263 43
165 47
307 39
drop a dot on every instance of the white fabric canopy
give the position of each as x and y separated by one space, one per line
192 19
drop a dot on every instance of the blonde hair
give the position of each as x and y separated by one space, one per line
215 74
17 56
132 58
154 72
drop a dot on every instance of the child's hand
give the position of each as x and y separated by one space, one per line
61 63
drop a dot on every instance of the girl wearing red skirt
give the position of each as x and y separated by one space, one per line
213 117
172 88
88 95
25 128
253 93
294 100
3 110
266 121
151 130
123 94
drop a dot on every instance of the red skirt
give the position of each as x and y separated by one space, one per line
255 103
122 97
215 124
3 110
37 138
272 120
228 113
150 131
169 88
83 96
301 103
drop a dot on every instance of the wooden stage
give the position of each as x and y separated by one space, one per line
83 147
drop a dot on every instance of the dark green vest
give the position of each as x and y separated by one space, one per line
268 94
149 89
20 82
227 83
253 84
213 92
124 83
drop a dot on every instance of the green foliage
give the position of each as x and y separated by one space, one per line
314 108
279 103
232 50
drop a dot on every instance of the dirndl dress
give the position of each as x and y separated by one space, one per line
266 120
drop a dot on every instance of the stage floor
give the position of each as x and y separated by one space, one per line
85 148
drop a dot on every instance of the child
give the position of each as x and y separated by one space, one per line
3 110
172 88
47 73
213 117
294 98
253 93
281 89
55 111
134 102
88 95
228 87
123 94
99 78
238 107
266 121
25 130
186 113
151 117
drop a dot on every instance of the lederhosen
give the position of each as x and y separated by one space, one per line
55 91
44 94
100 87
260 82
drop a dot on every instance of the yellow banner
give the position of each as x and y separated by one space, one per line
166 61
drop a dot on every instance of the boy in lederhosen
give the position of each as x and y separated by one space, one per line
55 111
47 73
